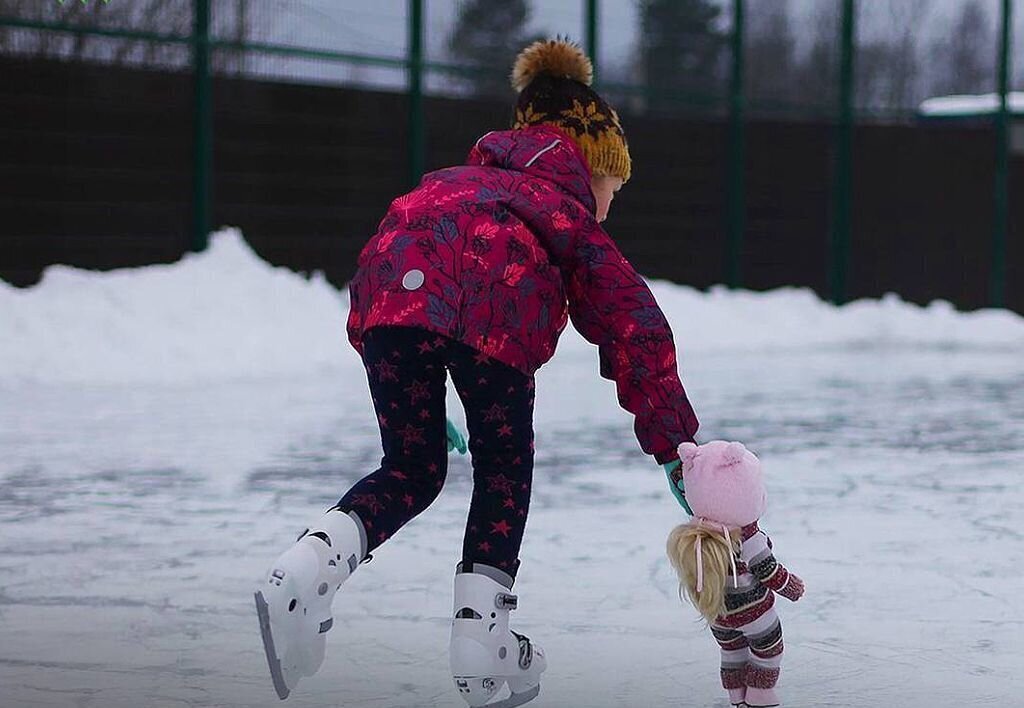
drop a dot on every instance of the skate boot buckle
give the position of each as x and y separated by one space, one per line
505 601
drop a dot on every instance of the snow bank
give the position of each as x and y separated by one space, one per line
226 313
971 105
222 313
796 318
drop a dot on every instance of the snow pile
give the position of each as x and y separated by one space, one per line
226 313
796 318
222 313
971 105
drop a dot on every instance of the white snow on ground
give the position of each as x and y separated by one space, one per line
222 314
971 105
167 431
226 314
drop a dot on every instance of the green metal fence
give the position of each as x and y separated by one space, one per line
848 77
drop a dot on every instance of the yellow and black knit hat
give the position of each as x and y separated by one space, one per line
553 80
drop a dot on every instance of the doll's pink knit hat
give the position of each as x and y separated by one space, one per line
723 482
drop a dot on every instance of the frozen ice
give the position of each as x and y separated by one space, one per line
167 431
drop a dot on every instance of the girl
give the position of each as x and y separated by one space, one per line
474 274
726 567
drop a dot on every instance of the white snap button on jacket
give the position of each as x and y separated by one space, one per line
413 279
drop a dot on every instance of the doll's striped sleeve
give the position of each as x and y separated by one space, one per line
761 561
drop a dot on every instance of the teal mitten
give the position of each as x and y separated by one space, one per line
456 440
673 470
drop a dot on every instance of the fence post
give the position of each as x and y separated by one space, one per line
997 286
202 125
417 139
736 188
242 33
590 30
840 241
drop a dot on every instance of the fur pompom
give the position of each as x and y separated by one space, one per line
555 57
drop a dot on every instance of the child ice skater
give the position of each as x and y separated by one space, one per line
726 566
474 275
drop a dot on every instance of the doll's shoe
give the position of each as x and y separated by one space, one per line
738 697
762 698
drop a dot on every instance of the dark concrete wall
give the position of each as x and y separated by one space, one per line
95 171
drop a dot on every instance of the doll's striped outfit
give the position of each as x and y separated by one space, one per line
749 632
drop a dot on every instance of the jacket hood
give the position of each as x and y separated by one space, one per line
540 151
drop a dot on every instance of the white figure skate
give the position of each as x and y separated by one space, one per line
294 602
484 653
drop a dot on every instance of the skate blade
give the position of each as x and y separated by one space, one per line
276 674
516 699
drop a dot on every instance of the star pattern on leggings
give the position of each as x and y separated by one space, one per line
386 371
500 483
411 435
417 390
369 501
496 412
502 527
403 380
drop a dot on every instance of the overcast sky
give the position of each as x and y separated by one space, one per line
380 26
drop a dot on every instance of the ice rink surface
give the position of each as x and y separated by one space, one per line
137 516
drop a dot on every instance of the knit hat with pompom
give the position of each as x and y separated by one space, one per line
723 482
553 80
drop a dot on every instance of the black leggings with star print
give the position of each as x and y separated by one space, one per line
407 370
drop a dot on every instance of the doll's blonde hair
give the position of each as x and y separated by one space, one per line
715 555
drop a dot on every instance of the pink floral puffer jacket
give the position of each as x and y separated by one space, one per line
497 253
